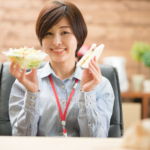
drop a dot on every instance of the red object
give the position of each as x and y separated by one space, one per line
64 130
83 50
63 116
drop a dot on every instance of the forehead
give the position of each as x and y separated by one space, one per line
63 23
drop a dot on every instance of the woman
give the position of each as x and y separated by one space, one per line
37 98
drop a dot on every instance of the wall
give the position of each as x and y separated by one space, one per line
115 23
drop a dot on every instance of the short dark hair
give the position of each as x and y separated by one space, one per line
53 12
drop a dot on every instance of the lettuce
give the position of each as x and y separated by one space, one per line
28 58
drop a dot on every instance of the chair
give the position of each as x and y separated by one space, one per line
6 81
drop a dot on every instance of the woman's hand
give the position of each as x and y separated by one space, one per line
29 80
91 79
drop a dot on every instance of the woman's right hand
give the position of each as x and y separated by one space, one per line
29 80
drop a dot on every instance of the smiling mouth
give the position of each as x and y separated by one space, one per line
58 49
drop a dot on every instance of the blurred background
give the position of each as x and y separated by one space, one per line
118 24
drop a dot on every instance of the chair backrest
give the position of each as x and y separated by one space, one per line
6 81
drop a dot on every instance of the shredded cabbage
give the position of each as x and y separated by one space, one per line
28 58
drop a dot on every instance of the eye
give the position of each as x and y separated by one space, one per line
49 33
65 32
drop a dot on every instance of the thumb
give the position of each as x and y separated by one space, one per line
34 71
86 70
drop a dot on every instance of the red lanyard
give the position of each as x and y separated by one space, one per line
63 116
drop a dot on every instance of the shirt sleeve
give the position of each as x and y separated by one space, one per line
95 110
23 111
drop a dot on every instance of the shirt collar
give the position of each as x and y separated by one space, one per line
47 70
78 73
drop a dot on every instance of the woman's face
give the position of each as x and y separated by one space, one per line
60 42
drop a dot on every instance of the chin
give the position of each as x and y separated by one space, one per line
58 60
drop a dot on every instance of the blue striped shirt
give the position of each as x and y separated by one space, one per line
37 114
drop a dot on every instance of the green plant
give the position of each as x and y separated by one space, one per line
146 59
137 51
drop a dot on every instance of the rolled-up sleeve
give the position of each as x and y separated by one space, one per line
23 111
95 110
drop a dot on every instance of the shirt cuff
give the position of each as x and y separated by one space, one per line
88 99
31 102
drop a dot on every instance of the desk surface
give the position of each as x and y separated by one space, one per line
48 143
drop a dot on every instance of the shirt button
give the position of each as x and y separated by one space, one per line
63 101
61 133
70 79
33 97
88 97
62 86
88 103
89 125
32 104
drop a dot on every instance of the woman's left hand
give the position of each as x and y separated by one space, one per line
91 79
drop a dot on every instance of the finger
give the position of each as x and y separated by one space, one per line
22 75
32 72
96 75
11 68
95 64
18 68
93 69
17 71
94 58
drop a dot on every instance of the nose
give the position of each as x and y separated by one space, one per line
57 40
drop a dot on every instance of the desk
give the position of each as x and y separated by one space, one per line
48 143
145 100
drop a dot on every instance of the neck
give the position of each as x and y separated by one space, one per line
63 70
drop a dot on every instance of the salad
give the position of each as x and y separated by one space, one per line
28 58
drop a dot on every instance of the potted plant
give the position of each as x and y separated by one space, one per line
146 62
137 51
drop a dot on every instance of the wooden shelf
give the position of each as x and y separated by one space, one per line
145 97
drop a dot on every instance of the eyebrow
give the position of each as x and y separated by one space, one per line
64 27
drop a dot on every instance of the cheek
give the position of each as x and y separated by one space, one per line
45 44
73 42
